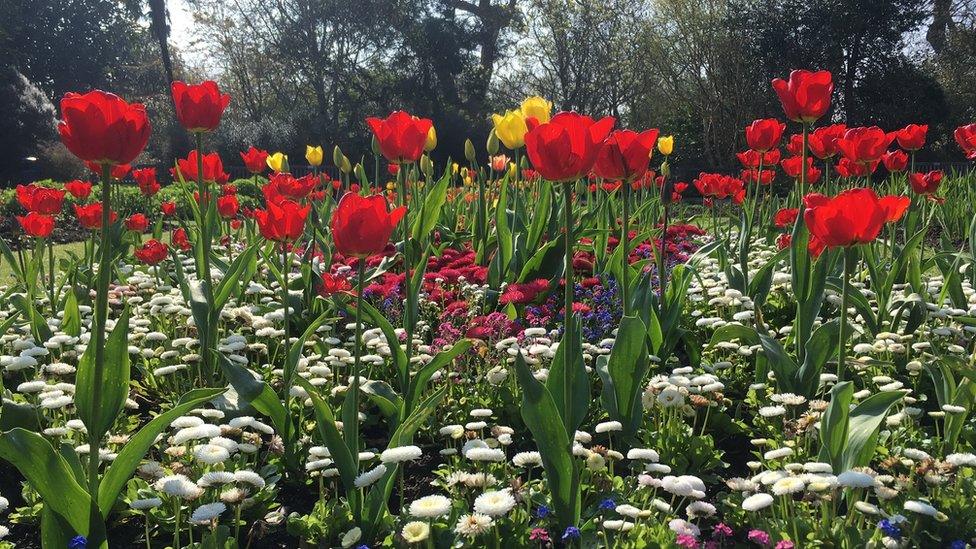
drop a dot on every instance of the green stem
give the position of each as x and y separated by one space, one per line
849 259
407 285
101 315
625 242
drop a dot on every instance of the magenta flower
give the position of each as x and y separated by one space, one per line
539 534
785 544
760 537
721 530
688 541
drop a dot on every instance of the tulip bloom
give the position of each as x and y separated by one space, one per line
278 162
213 168
90 215
431 142
117 173
966 139
894 206
101 127
786 217
255 160
566 148
925 183
199 107
146 179
791 166
806 95
895 161
334 285
180 240
401 137
282 222
510 128
665 145
362 226
152 252
718 186
912 136
313 155
764 134
847 168
537 108
137 222
168 208
864 145
625 154
284 186
751 158
42 200
823 141
78 189
37 225
227 206
851 218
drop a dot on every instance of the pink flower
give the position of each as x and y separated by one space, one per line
785 544
540 535
721 530
760 537
687 540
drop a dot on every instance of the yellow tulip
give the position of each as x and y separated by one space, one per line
665 144
313 155
390 186
454 168
510 128
538 108
278 162
431 139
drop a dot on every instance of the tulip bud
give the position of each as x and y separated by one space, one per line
665 169
337 157
469 150
492 143
313 155
346 164
431 139
426 165
375 145
360 173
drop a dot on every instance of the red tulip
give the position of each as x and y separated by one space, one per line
848 168
227 206
255 160
42 200
333 285
786 217
78 188
362 226
791 166
284 186
90 215
750 158
966 138
895 161
36 224
806 96
795 144
213 168
146 179
625 154
168 208
864 145
823 141
101 127
925 183
713 185
764 134
894 206
137 222
283 221
565 148
852 217
401 136
117 173
912 136
752 176
200 106
152 252
180 240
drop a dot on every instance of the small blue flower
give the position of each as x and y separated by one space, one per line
889 529
958 544
78 542
542 511
571 532
608 505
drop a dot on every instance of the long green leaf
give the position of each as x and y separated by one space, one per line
121 469
99 416
627 367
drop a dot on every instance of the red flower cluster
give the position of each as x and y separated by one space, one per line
925 183
90 215
522 294
41 200
718 186
213 168
966 139
146 179
284 186
152 252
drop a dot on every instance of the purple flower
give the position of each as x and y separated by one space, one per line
571 532
721 530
